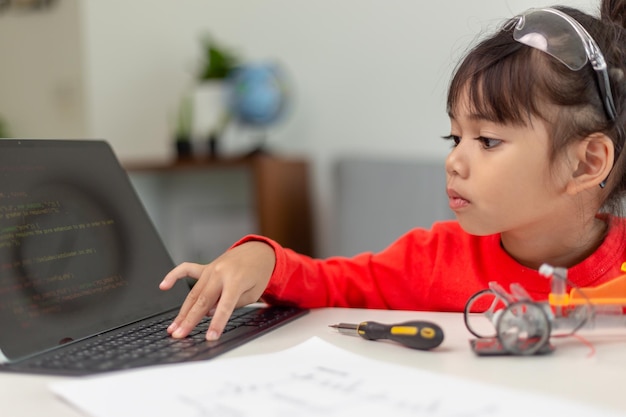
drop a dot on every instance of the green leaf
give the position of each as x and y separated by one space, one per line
218 61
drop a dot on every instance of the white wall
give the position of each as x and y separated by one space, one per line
41 73
369 76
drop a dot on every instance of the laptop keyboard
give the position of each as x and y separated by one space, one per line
148 343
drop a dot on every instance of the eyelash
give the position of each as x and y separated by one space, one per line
453 138
486 143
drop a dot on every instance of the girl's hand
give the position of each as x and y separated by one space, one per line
237 278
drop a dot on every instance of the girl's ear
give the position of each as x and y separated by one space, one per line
594 161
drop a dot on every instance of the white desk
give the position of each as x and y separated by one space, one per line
568 373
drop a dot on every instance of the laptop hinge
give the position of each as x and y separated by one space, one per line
3 359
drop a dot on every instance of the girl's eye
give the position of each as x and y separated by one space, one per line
488 143
455 139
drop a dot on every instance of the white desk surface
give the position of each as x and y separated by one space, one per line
569 373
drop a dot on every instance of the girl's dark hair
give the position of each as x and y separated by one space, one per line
507 82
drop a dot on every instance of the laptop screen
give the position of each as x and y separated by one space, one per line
78 253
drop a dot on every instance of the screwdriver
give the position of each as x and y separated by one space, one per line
421 335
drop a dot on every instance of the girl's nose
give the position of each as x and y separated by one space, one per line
456 161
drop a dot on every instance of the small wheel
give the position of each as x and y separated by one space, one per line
523 328
479 313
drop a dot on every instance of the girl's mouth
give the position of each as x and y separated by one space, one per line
456 201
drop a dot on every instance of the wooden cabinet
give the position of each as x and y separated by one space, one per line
197 203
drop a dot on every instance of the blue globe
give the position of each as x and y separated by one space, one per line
258 94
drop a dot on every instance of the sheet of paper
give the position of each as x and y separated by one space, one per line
314 378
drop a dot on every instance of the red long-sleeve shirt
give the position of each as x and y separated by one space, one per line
437 270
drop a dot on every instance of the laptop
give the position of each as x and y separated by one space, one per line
80 266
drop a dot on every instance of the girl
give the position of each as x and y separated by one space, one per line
535 174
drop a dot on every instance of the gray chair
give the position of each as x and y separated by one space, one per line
378 200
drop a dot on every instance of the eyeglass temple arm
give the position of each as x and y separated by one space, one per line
599 65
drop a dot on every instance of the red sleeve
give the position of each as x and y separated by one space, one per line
388 279
437 270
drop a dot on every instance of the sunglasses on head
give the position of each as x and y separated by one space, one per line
562 37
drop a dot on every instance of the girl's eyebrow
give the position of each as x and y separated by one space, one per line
472 116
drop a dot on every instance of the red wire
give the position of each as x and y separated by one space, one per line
583 340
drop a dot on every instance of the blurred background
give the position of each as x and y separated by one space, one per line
359 96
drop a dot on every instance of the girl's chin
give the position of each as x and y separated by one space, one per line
474 228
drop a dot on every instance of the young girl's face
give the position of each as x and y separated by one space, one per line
500 177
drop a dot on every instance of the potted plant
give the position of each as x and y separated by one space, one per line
4 130
218 61
211 114
184 122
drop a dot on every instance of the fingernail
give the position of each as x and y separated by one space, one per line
212 335
178 333
172 327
